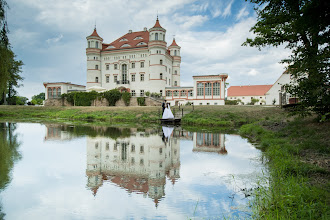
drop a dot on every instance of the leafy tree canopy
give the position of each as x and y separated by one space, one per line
303 27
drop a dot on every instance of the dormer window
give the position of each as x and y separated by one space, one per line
110 47
126 45
138 38
141 43
123 39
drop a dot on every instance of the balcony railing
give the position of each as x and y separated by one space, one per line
123 82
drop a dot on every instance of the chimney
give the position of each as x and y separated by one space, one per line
129 31
145 29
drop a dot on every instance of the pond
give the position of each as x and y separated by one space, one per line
63 171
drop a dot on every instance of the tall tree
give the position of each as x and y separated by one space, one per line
303 27
9 66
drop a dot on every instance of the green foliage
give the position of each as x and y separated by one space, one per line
155 95
38 99
80 98
141 101
303 27
274 101
126 96
231 102
253 101
147 93
112 96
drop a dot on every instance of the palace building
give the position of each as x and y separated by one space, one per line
141 62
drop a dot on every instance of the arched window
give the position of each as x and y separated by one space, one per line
96 79
96 44
161 62
124 73
175 53
156 36
89 44
160 76
175 72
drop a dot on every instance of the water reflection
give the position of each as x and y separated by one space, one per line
161 172
9 154
139 163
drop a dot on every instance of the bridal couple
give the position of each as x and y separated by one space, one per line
167 113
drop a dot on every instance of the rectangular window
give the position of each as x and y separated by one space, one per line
96 79
133 93
190 94
141 93
142 64
200 89
161 92
175 83
107 67
176 93
141 149
216 89
107 79
58 92
133 65
115 79
133 78
141 77
208 89
96 67
183 93
115 66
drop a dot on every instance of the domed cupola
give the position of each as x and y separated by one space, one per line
94 40
157 32
174 48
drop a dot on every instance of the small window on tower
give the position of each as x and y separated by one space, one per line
107 79
160 76
96 79
96 44
96 67
107 67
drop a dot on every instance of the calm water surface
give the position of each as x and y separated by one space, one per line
79 172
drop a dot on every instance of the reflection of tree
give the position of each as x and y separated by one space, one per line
8 155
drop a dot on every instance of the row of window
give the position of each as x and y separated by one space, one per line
182 93
207 88
92 44
159 36
54 92
244 97
124 57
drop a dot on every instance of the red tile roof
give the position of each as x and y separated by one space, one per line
174 43
95 33
157 25
254 90
130 39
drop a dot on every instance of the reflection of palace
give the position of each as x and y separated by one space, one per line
139 163
57 132
209 142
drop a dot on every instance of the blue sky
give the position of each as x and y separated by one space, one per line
50 37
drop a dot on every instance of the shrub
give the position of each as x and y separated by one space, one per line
141 101
155 95
147 93
126 96
112 96
80 98
231 102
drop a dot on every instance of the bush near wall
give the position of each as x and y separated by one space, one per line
126 96
141 101
112 96
231 102
80 98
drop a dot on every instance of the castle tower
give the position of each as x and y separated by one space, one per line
175 53
158 62
93 53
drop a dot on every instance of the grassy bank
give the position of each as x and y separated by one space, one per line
298 156
297 150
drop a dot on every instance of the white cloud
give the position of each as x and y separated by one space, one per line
252 72
55 39
227 10
242 13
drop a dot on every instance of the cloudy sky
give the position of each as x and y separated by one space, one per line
50 37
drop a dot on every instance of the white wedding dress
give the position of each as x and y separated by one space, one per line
167 113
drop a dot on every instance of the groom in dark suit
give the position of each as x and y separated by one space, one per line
163 106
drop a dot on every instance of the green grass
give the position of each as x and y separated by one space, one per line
297 189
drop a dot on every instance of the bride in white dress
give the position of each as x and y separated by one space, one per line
167 112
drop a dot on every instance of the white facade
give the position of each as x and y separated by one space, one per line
207 90
273 95
244 100
136 62
55 89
